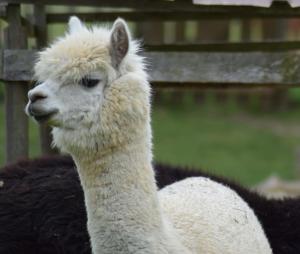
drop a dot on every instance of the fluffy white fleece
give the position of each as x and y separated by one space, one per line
212 213
107 130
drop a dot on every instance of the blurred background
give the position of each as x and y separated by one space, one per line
245 134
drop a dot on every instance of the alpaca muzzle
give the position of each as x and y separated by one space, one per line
38 114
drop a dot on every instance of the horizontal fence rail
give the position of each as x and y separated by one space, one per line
196 69
273 64
170 8
226 47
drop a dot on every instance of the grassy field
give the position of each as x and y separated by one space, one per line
246 146
242 145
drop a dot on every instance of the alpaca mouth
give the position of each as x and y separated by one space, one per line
44 118
40 116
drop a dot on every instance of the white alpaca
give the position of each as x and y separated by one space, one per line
95 93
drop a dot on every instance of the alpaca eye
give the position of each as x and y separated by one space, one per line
87 82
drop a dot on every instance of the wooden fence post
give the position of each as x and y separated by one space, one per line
177 96
152 33
213 31
279 98
40 24
15 92
243 97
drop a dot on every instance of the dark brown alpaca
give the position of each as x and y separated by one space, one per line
42 209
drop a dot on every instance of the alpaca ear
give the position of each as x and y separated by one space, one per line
119 42
75 24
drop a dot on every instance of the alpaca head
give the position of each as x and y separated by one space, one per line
92 88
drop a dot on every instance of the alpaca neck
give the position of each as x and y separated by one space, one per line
121 200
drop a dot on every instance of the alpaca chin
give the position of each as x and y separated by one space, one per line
74 141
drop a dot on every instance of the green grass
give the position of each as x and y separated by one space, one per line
215 139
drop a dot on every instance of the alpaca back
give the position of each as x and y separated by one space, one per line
216 218
280 219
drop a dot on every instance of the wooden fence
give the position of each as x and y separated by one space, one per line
179 65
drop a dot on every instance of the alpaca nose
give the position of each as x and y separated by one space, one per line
33 97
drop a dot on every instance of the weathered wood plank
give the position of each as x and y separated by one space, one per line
208 69
248 68
133 15
278 9
168 15
2 11
15 92
40 22
226 47
103 3
18 65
